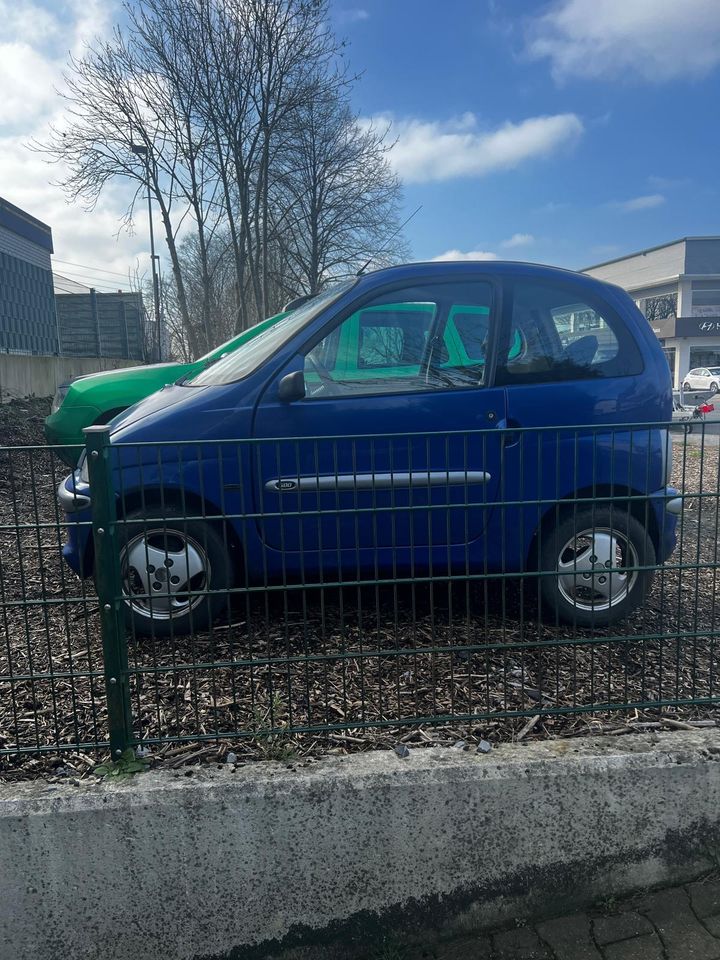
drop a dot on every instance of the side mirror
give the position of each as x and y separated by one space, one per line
292 387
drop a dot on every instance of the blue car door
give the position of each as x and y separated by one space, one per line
573 361
394 446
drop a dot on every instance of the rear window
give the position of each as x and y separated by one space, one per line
557 335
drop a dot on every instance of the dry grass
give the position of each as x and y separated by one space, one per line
355 660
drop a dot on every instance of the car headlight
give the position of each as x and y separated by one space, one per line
60 395
83 471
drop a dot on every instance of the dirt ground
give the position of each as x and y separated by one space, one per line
354 660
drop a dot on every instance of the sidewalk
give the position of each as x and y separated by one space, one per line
682 923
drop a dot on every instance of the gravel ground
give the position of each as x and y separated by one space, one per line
377 654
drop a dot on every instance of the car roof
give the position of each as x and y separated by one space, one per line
469 268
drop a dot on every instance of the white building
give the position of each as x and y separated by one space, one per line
677 287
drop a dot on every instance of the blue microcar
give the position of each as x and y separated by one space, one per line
426 420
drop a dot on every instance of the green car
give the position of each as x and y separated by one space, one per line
98 397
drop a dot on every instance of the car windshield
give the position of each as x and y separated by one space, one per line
241 363
217 352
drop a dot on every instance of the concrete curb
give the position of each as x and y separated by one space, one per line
323 858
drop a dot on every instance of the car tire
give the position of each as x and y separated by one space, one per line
714 388
158 601
581 544
686 386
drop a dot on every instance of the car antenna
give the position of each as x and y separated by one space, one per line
364 267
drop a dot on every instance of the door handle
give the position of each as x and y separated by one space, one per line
510 439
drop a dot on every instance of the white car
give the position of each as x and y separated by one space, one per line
703 378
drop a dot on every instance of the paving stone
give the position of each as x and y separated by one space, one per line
682 934
647 947
468 948
570 938
520 944
713 925
620 926
705 898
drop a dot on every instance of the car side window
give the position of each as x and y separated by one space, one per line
564 336
429 337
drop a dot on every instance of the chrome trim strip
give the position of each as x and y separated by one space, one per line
378 481
70 500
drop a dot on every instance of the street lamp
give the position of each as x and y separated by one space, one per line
141 150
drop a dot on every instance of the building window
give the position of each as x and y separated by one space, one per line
704 357
671 357
659 308
706 298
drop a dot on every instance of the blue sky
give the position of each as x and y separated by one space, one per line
640 166
562 131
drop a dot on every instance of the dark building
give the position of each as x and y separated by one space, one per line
78 321
28 321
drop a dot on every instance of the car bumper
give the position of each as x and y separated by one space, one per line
65 446
668 507
74 501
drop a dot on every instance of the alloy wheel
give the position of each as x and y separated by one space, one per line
592 569
164 573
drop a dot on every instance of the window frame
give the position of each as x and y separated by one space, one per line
495 308
621 330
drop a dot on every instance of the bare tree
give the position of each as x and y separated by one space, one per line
343 198
114 102
266 184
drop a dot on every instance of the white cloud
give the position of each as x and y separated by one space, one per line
646 202
551 207
26 19
518 240
26 79
466 255
668 183
353 15
33 53
655 39
429 150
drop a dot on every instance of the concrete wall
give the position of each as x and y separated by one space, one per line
319 859
26 376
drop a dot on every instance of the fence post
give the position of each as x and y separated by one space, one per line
108 582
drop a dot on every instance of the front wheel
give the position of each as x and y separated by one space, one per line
714 387
168 565
595 553
686 386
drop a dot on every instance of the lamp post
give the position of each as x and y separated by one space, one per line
141 150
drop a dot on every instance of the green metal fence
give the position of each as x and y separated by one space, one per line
364 589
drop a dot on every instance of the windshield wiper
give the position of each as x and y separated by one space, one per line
188 376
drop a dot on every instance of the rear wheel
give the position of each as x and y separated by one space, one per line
686 386
168 565
714 387
595 553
